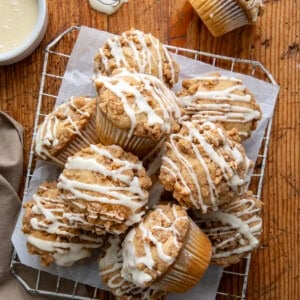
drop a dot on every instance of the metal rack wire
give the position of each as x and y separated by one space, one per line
55 62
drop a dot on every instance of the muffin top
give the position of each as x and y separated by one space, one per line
204 167
220 99
253 8
62 125
59 250
139 103
110 266
153 245
50 227
107 184
47 212
234 230
138 51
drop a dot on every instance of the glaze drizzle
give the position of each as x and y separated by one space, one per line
110 266
66 243
226 105
230 224
150 238
47 135
123 190
148 53
216 155
165 99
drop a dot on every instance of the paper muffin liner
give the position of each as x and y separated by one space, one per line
109 134
87 137
190 265
221 16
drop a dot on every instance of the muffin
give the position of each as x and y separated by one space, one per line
223 16
110 266
51 229
134 111
137 51
166 250
66 130
234 230
204 167
106 184
220 99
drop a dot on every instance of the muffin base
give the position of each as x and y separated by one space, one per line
221 16
109 134
87 138
190 265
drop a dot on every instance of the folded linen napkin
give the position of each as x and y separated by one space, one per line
11 168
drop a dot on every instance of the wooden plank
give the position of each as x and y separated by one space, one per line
274 41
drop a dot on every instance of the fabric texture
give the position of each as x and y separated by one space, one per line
11 168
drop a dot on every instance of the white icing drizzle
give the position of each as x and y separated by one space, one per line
47 138
220 111
131 261
108 7
254 3
57 219
165 99
110 265
146 55
235 181
233 228
64 254
128 192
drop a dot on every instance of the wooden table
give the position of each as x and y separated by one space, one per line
274 41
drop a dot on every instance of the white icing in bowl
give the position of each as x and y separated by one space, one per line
32 41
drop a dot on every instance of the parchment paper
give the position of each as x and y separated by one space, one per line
77 81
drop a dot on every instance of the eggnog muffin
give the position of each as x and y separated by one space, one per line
135 111
139 52
204 167
234 230
106 184
51 229
221 99
110 266
221 17
165 251
66 130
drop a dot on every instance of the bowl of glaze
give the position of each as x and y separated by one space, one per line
31 40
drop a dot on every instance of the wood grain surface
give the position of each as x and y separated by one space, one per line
274 41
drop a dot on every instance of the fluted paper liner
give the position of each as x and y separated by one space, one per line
221 16
190 265
109 134
80 142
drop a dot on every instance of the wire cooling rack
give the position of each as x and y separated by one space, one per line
234 280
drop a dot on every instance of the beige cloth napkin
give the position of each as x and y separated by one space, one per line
11 168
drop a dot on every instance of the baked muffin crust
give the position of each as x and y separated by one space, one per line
221 99
51 229
110 266
139 103
152 246
108 185
137 51
63 125
253 8
234 230
204 167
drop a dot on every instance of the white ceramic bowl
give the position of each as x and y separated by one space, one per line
31 43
